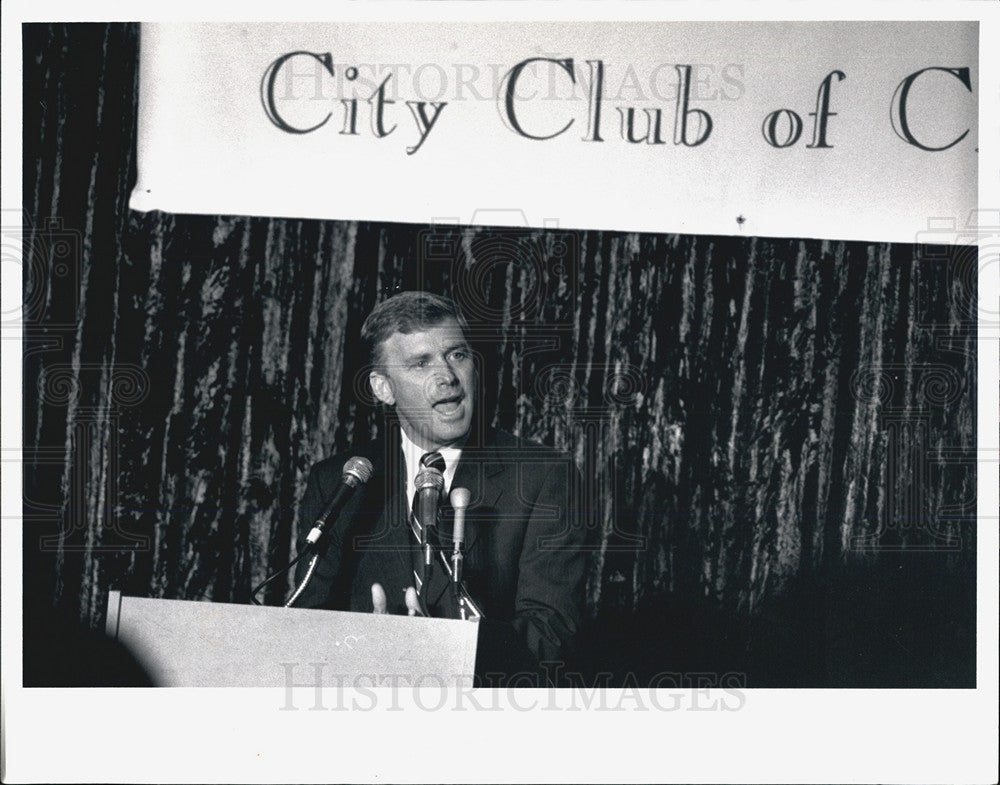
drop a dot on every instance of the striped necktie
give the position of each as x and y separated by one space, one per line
430 460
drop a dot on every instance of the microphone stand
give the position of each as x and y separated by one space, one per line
357 471
429 484
467 608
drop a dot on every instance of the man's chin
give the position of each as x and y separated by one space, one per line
449 430
440 429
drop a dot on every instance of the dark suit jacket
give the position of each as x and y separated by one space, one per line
525 541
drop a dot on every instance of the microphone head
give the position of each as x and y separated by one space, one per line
357 471
460 498
429 478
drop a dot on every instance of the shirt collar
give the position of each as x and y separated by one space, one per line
412 455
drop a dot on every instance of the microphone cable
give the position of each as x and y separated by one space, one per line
269 580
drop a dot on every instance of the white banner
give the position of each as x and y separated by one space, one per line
846 130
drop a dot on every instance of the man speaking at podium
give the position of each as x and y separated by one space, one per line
524 535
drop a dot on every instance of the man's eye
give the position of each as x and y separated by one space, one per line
420 364
459 354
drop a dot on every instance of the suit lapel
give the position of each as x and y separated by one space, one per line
389 542
481 471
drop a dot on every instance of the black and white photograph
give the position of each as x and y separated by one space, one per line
407 387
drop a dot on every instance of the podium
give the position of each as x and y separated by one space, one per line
209 644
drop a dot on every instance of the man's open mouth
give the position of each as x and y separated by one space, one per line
450 405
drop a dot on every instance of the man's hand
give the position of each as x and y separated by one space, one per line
378 598
412 604
379 602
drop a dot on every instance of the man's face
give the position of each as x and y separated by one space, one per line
429 377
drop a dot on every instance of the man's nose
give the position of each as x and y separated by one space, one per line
445 374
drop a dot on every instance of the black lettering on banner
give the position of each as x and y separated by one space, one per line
594 96
267 90
702 118
901 125
823 113
509 86
653 121
793 128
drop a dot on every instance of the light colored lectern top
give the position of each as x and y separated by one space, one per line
211 644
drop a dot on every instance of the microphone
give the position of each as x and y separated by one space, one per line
357 471
429 483
460 502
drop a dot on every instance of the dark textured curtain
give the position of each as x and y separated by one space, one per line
778 435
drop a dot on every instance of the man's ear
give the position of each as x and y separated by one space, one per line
382 388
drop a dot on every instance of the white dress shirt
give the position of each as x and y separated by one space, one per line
412 455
